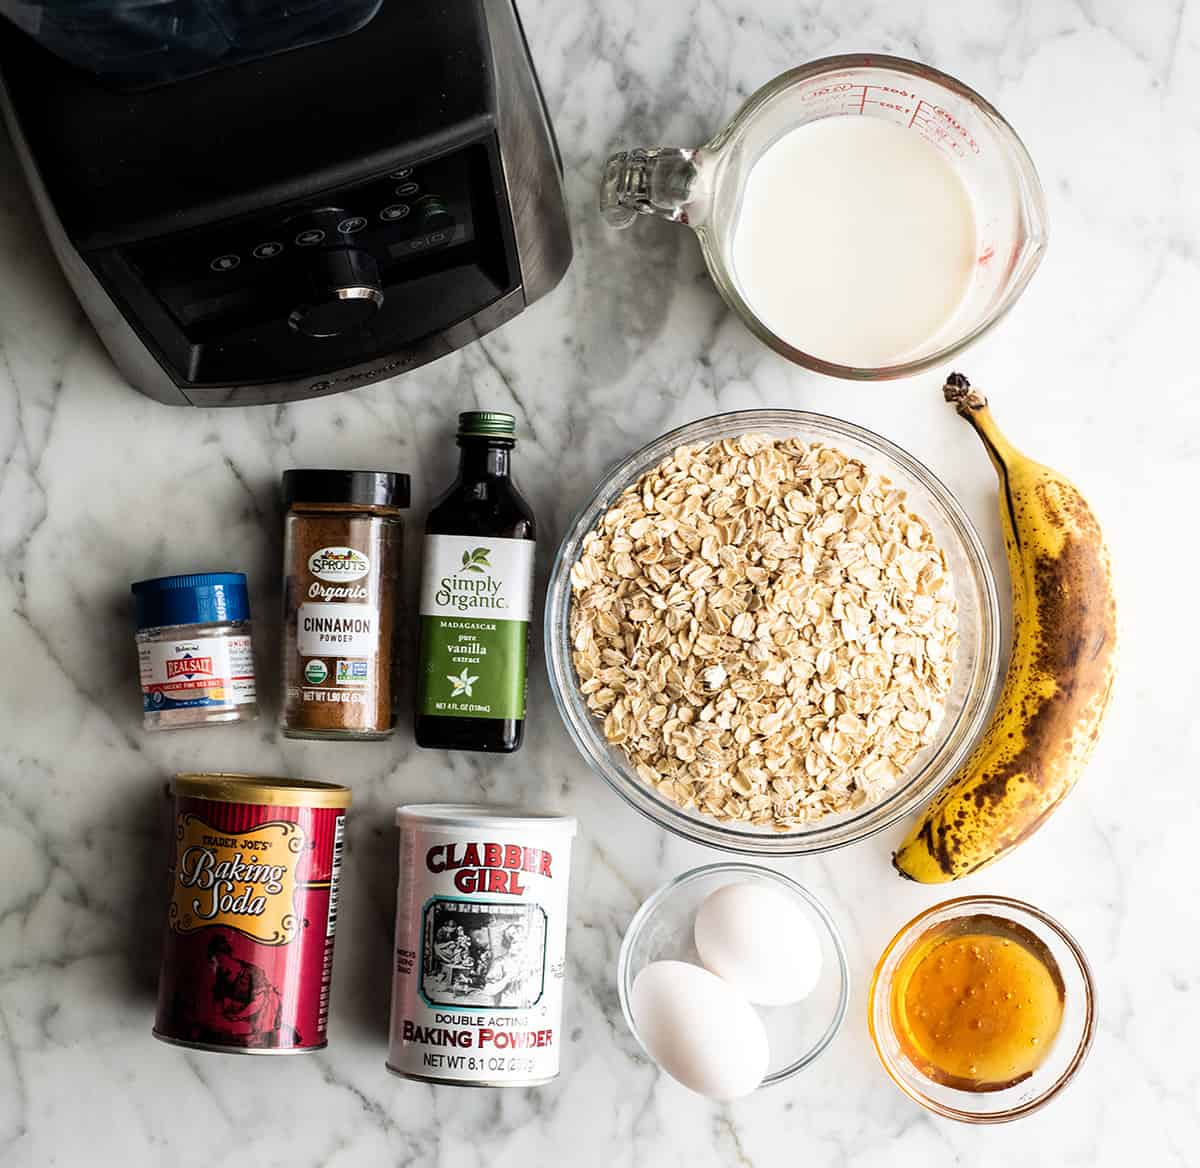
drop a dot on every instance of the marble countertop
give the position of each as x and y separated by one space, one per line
1093 372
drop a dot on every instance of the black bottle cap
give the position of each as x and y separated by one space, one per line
362 488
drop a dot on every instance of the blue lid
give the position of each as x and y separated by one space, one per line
198 599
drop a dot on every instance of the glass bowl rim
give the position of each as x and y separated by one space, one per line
873 817
978 900
734 867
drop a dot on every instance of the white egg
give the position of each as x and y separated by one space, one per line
699 1029
760 941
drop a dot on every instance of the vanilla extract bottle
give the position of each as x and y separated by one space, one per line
476 598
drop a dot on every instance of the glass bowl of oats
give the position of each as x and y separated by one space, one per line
772 632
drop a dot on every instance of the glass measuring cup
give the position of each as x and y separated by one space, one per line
703 187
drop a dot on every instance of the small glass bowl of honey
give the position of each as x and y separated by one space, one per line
982 1009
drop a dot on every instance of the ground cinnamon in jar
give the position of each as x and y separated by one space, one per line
343 538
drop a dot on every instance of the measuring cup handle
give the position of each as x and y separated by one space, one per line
648 182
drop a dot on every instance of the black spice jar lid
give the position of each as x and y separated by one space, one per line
360 488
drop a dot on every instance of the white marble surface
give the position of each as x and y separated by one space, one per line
1094 372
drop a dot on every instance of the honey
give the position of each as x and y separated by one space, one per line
977 1003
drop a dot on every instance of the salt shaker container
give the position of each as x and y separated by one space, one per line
194 650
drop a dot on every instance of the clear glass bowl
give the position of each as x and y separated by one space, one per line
661 930
975 678
1070 1048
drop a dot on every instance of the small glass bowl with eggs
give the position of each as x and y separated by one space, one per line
731 978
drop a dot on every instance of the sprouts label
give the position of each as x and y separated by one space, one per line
476 603
338 564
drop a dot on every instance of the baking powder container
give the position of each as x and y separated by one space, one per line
248 948
480 957
194 652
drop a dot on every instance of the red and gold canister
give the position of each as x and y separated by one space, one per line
248 949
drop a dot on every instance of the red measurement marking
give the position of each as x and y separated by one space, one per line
829 90
936 123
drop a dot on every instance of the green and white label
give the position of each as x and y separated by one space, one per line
476 603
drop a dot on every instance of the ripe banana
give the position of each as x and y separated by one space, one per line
1059 677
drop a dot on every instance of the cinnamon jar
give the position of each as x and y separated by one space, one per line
343 537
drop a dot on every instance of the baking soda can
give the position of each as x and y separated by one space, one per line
248 948
480 956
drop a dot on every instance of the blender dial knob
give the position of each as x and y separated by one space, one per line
343 293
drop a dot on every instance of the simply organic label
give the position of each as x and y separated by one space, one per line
242 880
476 603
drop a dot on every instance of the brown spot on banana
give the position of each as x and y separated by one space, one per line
1060 674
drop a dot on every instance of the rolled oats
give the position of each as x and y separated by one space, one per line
765 629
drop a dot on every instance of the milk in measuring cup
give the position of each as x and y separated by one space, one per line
855 241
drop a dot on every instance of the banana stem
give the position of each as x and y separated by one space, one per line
973 406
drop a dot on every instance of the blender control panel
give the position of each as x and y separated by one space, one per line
417 247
